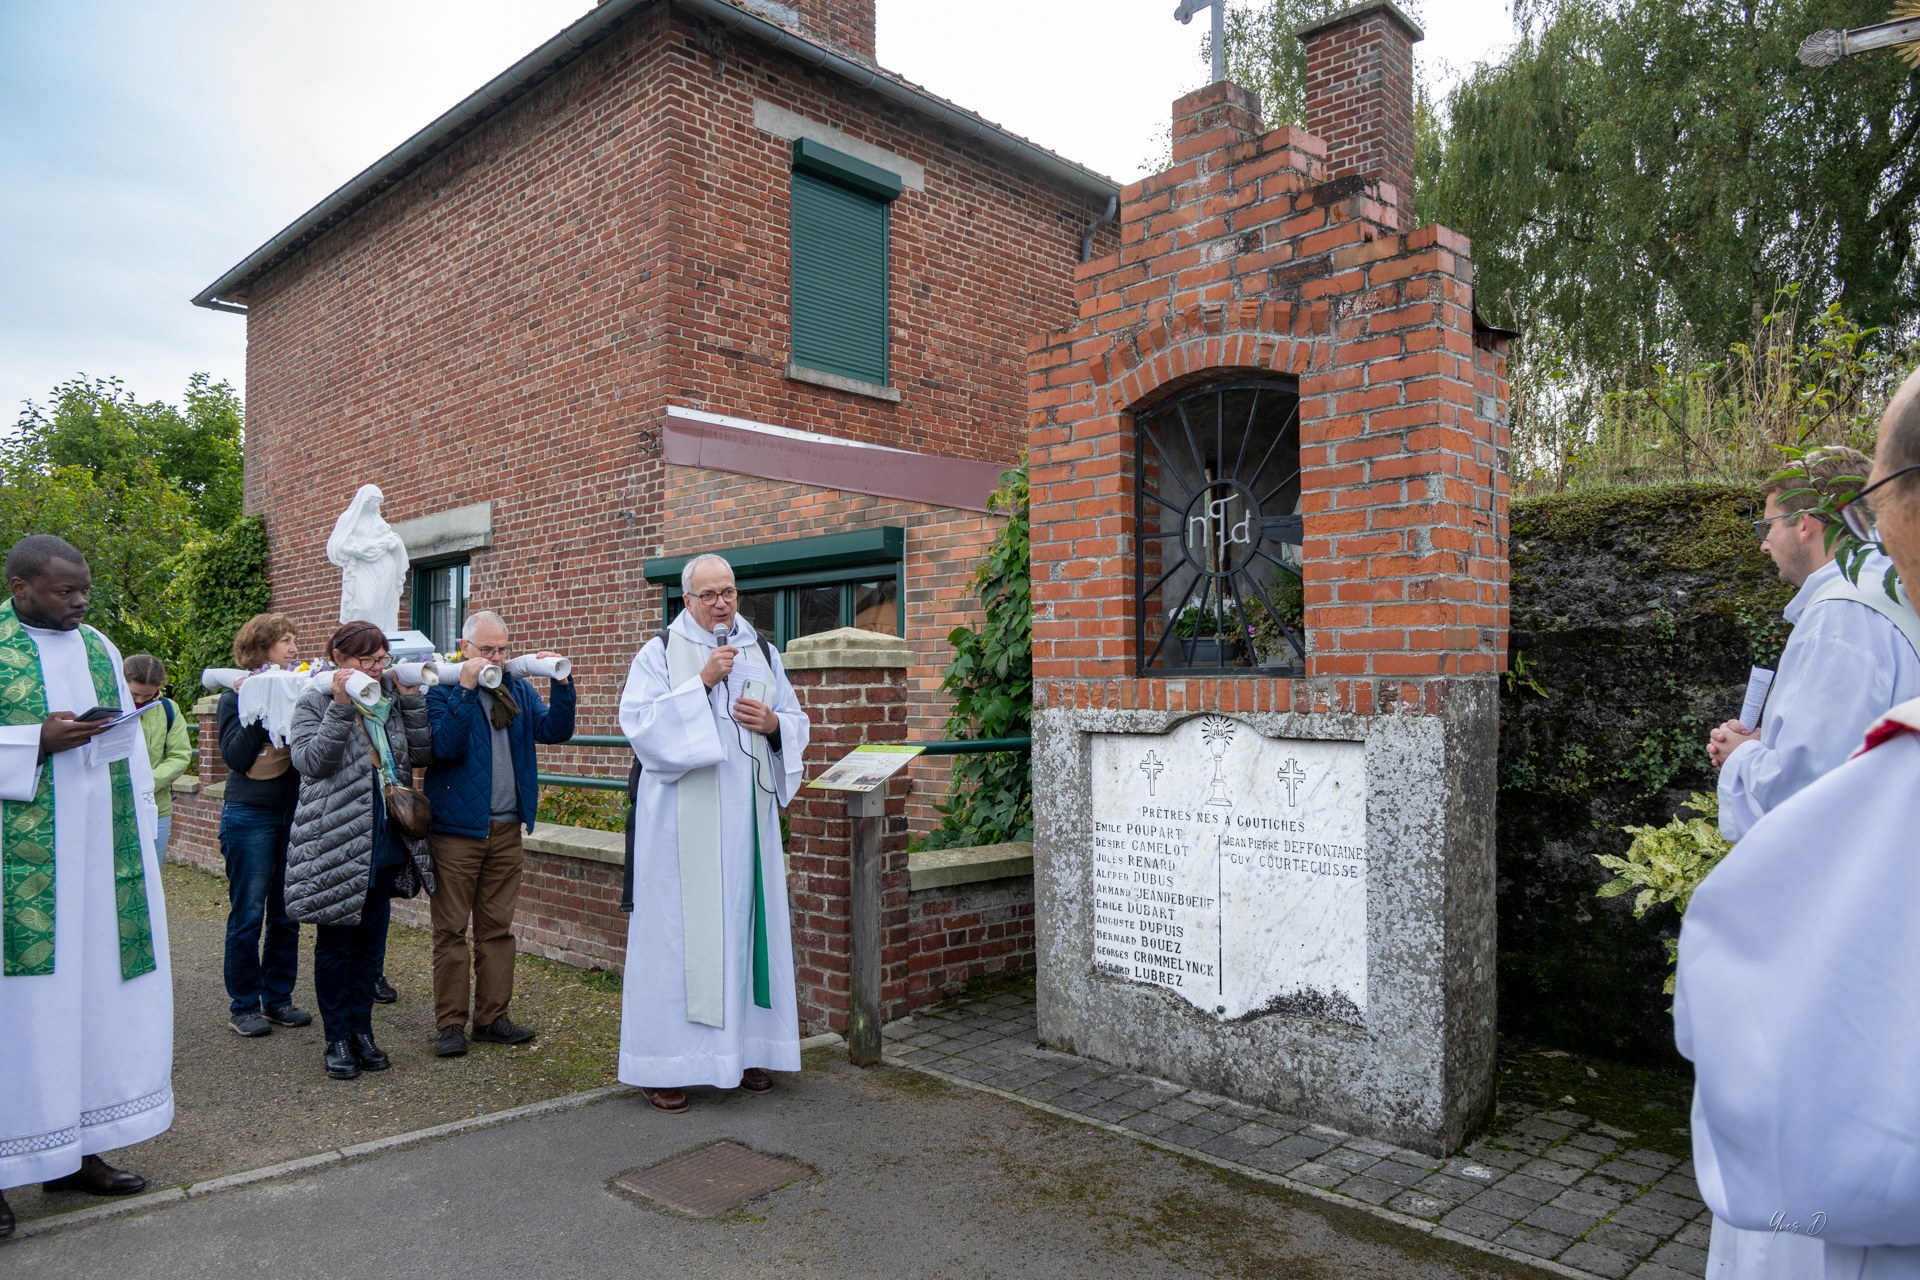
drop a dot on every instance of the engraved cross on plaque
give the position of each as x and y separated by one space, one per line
1291 775
1151 766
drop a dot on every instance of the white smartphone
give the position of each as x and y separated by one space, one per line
755 689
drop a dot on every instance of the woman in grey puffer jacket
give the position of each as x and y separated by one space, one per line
345 861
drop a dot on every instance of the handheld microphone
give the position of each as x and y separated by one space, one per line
719 635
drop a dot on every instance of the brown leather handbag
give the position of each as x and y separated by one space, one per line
407 806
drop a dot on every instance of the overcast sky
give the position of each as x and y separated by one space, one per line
147 147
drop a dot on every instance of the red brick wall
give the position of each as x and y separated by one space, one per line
510 321
1360 102
1245 258
965 933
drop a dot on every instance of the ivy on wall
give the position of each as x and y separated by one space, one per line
991 680
221 583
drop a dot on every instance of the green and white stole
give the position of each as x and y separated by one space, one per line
703 923
26 827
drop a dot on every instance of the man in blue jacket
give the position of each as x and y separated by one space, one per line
484 788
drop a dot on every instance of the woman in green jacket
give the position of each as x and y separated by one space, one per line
167 744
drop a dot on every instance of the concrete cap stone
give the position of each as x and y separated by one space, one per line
1355 12
848 648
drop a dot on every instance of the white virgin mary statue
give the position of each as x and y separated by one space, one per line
372 559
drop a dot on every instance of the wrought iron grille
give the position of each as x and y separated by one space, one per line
1218 518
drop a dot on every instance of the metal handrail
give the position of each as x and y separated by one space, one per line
945 747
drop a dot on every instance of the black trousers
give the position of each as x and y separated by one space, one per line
347 958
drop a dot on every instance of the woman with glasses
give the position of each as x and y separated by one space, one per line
348 860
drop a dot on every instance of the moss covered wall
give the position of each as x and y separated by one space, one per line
1636 614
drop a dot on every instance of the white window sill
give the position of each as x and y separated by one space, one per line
854 386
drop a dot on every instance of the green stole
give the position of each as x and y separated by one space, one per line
26 827
702 914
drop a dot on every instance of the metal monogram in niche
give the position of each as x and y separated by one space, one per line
1218 556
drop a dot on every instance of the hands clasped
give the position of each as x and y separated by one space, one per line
1722 742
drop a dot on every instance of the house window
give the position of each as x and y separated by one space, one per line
839 273
440 602
809 585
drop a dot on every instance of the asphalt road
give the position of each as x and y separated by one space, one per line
907 1177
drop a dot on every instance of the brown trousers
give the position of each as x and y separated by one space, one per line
477 879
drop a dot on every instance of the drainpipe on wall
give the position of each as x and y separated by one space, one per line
1105 219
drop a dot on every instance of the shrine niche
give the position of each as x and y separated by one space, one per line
1218 560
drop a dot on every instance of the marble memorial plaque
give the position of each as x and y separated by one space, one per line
1232 868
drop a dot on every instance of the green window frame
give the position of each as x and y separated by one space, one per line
441 592
803 575
841 208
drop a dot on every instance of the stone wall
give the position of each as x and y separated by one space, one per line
1636 614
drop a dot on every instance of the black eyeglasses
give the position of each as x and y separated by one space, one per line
1760 526
1857 513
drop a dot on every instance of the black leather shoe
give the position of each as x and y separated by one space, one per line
450 1043
503 1030
367 1053
6 1219
382 992
341 1064
98 1178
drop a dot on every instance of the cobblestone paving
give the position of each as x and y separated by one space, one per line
1547 1184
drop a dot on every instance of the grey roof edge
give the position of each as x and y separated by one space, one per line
569 44
1360 10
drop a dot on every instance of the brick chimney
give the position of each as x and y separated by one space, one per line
1360 94
843 25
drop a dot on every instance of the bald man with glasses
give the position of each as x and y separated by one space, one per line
1854 651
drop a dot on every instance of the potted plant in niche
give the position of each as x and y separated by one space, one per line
1210 638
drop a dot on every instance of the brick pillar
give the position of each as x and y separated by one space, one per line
1360 95
852 685
212 766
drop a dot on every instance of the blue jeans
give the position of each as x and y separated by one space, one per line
160 837
254 842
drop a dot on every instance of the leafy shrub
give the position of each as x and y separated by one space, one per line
583 807
991 680
1666 864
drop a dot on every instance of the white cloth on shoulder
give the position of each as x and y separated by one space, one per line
267 698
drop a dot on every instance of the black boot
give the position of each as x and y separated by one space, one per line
6 1218
367 1052
382 992
341 1064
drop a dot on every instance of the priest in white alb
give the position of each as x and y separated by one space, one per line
86 1000
719 738
1798 998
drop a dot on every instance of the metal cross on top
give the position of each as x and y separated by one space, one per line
1185 13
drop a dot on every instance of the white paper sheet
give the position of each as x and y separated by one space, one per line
1759 682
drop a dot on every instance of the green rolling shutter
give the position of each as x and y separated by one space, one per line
839 279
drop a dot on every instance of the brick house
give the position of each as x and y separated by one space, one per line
693 275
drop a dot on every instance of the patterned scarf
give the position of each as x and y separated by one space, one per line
27 828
